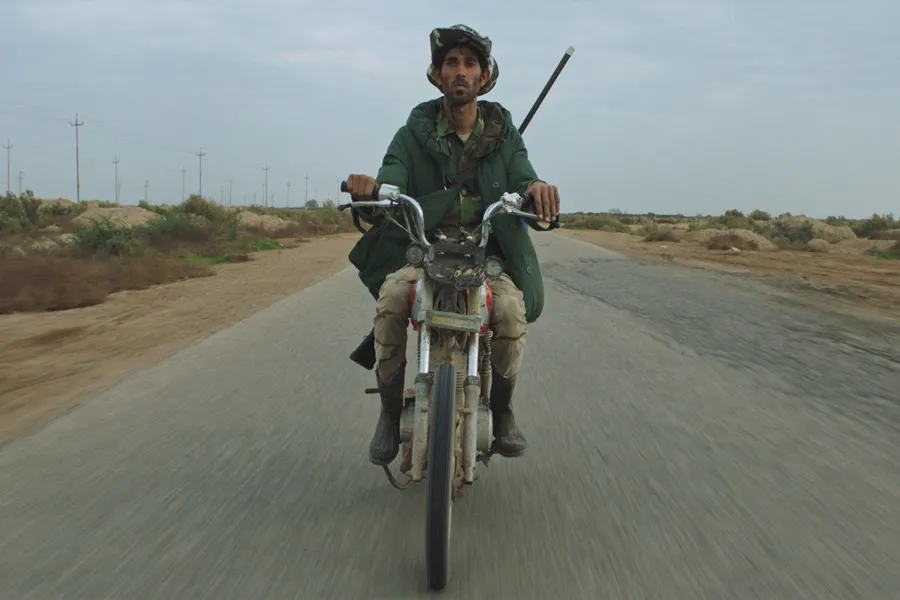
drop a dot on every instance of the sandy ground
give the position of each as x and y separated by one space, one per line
48 360
843 279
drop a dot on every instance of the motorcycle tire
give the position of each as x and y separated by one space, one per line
441 444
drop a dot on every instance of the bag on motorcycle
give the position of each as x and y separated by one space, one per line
382 250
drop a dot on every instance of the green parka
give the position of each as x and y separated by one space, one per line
418 162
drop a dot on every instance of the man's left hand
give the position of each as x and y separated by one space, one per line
546 200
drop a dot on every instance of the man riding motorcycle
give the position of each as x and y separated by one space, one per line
456 155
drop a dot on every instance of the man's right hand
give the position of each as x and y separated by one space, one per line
361 187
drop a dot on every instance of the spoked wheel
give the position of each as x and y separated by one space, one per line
441 445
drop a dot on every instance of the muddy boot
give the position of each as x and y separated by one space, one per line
386 441
508 440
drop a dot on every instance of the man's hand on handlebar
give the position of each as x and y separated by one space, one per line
545 198
360 187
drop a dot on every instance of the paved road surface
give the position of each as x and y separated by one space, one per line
689 439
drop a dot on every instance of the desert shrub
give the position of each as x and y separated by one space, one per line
61 210
105 237
865 229
599 222
177 227
885 234
661 235
200 206
760 215
731 240
795 235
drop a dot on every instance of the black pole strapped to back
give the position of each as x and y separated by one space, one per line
537 103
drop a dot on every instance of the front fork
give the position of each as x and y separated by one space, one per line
472 387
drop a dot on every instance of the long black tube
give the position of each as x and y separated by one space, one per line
537 104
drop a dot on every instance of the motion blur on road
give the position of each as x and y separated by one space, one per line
690 438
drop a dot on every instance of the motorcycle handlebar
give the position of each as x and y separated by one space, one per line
554 224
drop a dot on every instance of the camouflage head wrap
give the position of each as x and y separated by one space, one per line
443 39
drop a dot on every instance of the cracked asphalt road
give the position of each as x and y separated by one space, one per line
690 438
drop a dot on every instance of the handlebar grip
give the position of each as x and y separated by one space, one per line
374 191
528 201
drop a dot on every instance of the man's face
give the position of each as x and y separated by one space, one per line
461 76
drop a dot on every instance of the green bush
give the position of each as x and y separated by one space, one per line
19 213
177 227
785 235
876 223
200 206
104 237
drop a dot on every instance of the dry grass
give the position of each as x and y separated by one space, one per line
42 282
109 256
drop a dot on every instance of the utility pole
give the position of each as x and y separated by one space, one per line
8 147
222 195
288 194
230 187
76 125
146 185
183 171
116 188
201 154
306 191
266 187
20 177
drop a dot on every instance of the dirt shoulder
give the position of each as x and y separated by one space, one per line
844 278
49 360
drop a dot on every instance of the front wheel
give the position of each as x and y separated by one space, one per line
441 444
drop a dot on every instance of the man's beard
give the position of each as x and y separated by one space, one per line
456 99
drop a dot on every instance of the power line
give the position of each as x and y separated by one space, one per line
201 154
8 147
77 125
116 189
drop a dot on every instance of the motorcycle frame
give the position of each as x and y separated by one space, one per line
423 314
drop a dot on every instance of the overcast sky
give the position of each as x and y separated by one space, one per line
691 106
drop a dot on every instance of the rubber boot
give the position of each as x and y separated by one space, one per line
508 440
385 442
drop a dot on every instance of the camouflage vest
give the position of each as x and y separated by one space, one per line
466 212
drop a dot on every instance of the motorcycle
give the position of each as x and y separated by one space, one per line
446 421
